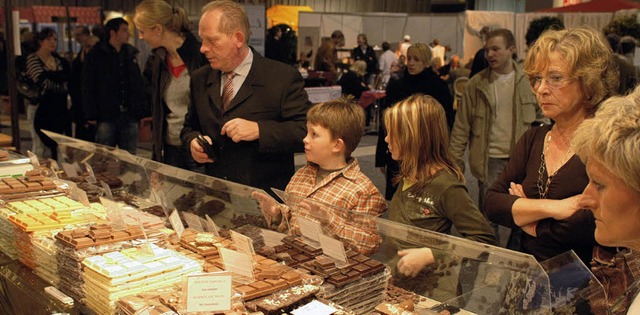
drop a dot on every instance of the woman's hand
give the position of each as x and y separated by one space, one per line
413 260
565 208
530 228
516 190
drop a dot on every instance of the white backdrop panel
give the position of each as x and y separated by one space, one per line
475 21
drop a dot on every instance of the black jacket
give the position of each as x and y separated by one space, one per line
272 95
425 82
105 87
369 56
157 72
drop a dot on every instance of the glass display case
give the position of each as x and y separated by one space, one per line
464 276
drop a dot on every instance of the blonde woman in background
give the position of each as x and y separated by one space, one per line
176 54
354 81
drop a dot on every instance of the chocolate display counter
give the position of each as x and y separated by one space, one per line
89 262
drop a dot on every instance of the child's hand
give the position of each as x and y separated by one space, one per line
269 206
414 260
312 209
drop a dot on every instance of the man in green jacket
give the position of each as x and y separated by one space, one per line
497 107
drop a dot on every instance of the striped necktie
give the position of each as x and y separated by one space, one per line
227 91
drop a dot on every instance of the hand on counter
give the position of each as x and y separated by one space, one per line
413 260
239 129
197 152
270 207
314 210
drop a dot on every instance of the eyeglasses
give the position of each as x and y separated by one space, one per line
554 81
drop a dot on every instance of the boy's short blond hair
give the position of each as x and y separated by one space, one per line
343 118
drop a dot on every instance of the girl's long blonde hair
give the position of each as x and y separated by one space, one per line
417 128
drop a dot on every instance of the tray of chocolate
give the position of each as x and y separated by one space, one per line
96 235
32 185
358 266
204 244
284 301
360 286
269 278
48 213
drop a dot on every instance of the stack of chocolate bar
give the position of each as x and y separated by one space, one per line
358 285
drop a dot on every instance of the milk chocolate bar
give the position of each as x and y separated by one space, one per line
99 234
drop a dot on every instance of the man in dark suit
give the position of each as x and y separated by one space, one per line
250 109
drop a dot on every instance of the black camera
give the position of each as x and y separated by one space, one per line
208 148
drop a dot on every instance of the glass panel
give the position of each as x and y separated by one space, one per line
468 275
148 183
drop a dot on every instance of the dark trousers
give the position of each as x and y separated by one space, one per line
52 115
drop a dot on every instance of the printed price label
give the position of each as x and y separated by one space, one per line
208 292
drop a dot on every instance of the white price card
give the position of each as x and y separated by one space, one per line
333 248
107 189
314 307
193 221
243 243
272 238
309 229
211 226
70 170
176 222
238 263
210 292
114 213
92 176
34 159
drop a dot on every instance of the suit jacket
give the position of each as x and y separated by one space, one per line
272 95
369 57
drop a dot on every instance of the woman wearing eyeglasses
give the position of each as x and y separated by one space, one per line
571 72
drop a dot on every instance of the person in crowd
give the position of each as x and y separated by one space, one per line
417 78
386 60
175 56
480 59
608 145
337 38
365 53
274 46
28 46
438 51
628 72
115 94
431 193
82 130
333 177
497 107
353 82
571 72
451 71
628 47
404 46
4 80
325 59
251 110
51 72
